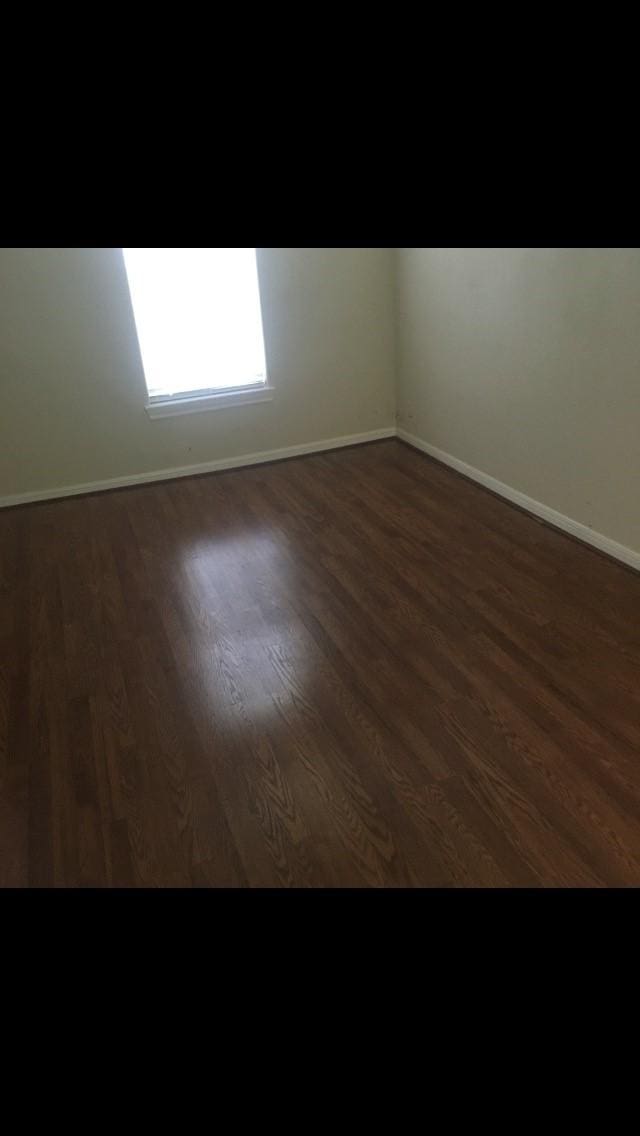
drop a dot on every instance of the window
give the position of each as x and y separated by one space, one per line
199 322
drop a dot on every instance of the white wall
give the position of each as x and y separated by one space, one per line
522 362
525 363
72 390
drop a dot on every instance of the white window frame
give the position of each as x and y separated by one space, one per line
213 398
163 406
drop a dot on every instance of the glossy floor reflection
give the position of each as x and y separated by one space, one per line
349 670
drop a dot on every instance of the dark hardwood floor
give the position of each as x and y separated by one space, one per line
355 669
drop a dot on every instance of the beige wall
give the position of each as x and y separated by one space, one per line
522 362
525 363
72 391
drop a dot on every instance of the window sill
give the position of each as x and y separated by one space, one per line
223 400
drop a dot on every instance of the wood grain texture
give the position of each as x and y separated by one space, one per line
349 670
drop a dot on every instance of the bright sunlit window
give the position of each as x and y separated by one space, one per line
199 322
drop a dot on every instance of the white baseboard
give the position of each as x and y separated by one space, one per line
194 470
566 524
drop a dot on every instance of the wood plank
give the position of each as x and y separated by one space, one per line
352 670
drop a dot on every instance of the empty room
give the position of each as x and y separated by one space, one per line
319 568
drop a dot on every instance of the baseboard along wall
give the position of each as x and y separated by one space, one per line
573 528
